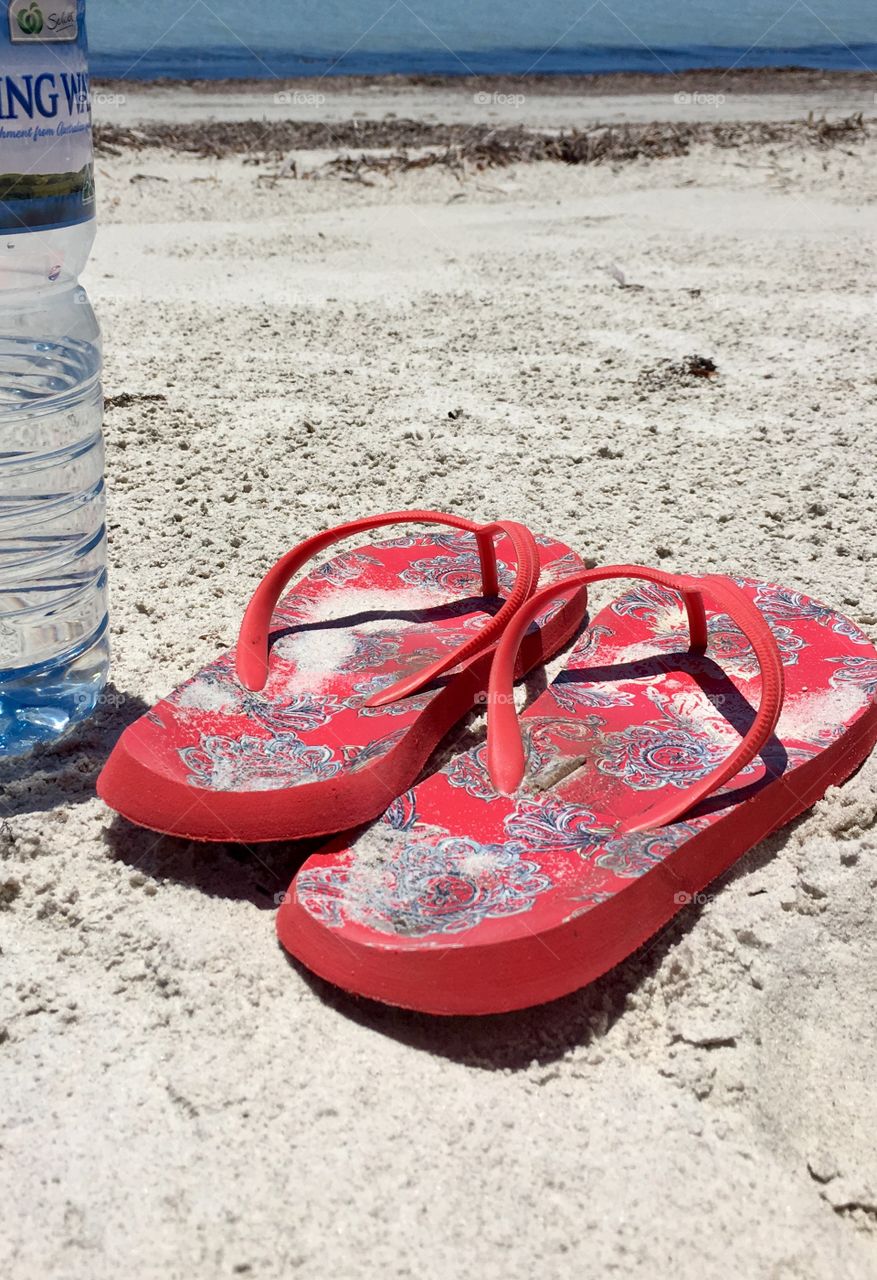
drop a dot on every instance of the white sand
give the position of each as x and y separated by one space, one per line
179 1099
708 96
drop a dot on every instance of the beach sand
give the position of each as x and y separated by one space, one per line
179 1099
535 101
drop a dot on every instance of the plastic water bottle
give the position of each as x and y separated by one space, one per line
53 615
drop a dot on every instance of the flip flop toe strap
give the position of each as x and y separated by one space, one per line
505 750
251 659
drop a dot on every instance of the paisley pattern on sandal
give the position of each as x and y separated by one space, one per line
634 715
304 753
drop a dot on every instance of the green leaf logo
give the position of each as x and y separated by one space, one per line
31 19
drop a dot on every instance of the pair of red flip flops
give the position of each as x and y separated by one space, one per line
695 715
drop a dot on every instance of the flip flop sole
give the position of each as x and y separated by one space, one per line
305 756
465 901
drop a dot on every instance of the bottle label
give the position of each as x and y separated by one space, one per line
46 169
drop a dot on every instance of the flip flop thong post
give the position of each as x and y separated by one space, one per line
695 716
336 693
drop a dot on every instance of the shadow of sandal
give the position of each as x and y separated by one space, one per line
256 873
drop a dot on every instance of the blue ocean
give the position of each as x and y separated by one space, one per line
243 38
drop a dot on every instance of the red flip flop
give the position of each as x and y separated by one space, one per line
334 698
525 869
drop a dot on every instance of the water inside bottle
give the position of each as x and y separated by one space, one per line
53 608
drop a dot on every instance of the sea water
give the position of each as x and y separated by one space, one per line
237 38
